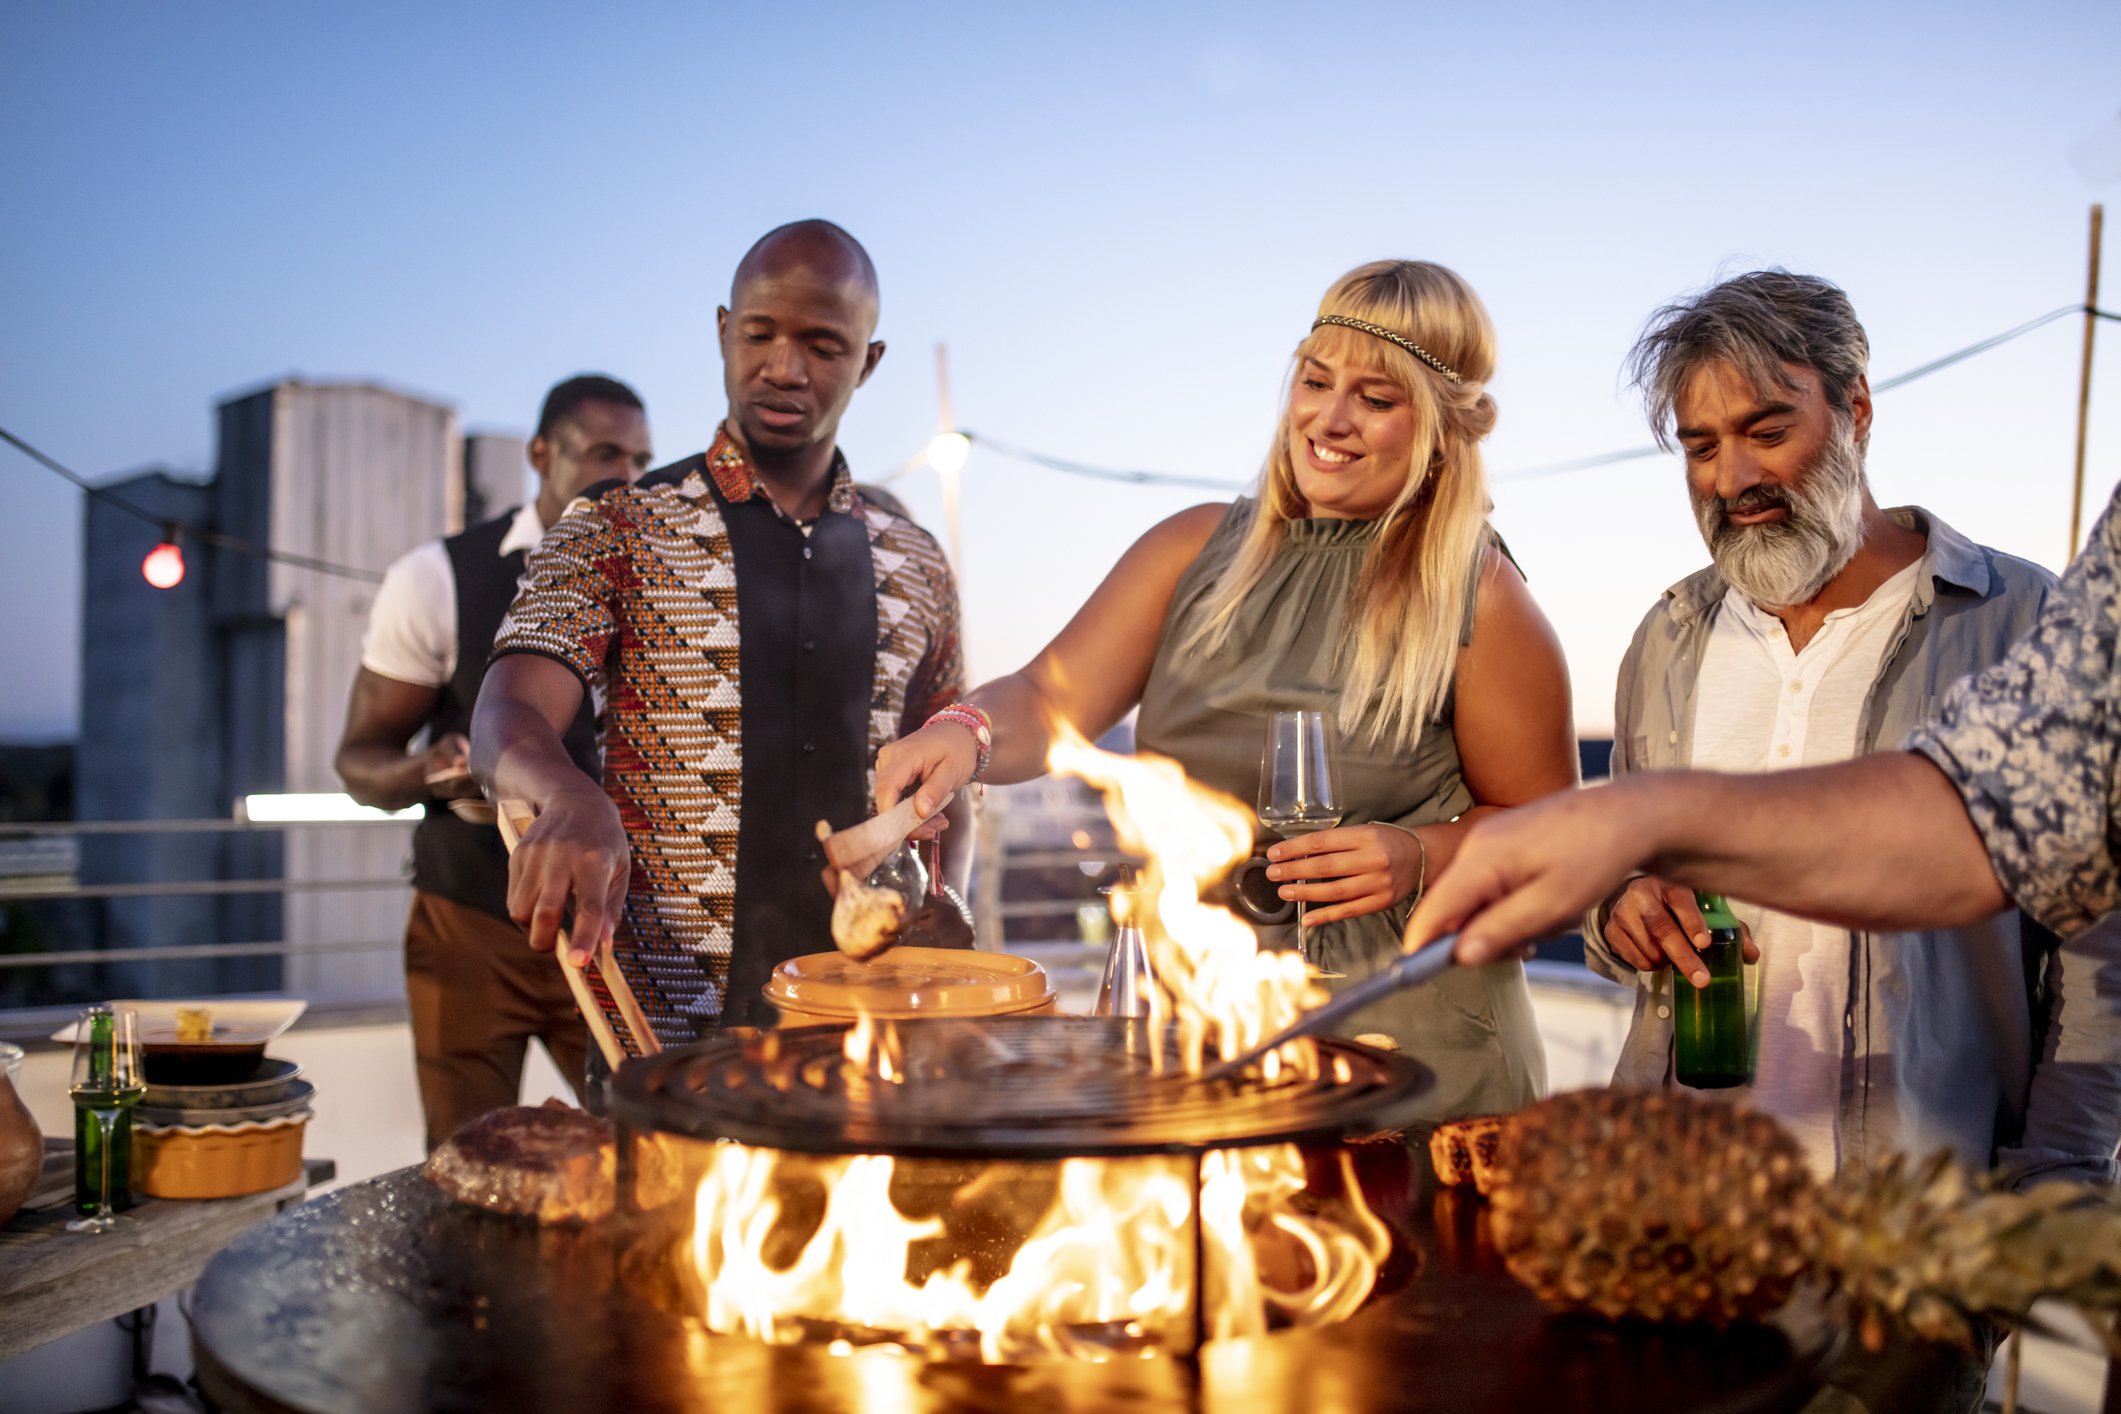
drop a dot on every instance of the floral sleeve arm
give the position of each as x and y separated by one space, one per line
2030 746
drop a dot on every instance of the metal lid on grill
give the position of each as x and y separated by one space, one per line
910 982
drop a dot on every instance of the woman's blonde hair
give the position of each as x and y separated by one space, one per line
1399 645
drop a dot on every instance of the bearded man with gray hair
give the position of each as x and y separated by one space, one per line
1827 628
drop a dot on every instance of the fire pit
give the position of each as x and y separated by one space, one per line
386 1296
1003 1188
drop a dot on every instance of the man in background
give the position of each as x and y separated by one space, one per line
477 994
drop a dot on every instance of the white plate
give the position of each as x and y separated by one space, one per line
235 1022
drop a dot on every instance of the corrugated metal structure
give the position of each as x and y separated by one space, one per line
354 474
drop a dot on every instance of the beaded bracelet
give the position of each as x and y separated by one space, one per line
973 720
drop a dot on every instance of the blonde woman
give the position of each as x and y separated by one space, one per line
1361 578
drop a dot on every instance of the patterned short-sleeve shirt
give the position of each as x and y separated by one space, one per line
636 590
2031 746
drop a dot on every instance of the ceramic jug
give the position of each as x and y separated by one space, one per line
21 1147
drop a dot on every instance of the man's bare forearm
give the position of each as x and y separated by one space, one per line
383 716
1880 842
383 776
524 705
517 755
577 849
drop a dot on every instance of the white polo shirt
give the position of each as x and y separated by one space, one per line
1761 707
412 628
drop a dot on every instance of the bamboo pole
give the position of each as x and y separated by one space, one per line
2084 382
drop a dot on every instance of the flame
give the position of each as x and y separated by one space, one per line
1214 982
1245 1202
1107 1270
872 1050
1114 1252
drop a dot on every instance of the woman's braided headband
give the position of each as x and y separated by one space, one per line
1391 338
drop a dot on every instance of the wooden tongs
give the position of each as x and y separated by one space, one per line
859 849
600 991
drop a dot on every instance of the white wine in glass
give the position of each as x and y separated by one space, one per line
1299 784
106 1082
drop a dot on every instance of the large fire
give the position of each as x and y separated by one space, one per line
1089 1257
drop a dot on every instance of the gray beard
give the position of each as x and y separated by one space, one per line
1789 562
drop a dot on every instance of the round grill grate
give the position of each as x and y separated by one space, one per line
1002 1087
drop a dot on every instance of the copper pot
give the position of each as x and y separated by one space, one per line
21 1142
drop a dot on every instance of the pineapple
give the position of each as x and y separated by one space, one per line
1670 1207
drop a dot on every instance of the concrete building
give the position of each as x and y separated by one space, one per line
236 681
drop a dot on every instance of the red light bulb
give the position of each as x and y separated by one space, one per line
164 566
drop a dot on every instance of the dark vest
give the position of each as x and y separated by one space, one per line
459 861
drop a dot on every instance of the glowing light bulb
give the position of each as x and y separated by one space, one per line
948 451
164 566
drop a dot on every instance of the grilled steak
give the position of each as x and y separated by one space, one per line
550 1163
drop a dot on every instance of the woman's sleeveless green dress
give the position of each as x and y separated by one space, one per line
1472 1027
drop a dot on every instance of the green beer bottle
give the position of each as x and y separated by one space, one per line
88 1134
1709 1047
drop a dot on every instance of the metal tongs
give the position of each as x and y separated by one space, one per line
1409 970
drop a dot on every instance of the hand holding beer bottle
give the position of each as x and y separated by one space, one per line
1652 923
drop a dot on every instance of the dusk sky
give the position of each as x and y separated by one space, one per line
1118 217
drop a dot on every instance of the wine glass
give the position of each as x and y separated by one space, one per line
1299 784
107 1081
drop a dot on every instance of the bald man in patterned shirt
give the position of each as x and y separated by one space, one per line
754 629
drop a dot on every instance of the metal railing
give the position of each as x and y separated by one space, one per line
45 884
997 860
35 880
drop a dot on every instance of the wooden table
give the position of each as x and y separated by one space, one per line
53 1282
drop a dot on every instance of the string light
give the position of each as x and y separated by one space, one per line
948 451
164 565
199 534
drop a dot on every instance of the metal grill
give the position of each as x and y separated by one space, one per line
1002 1087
